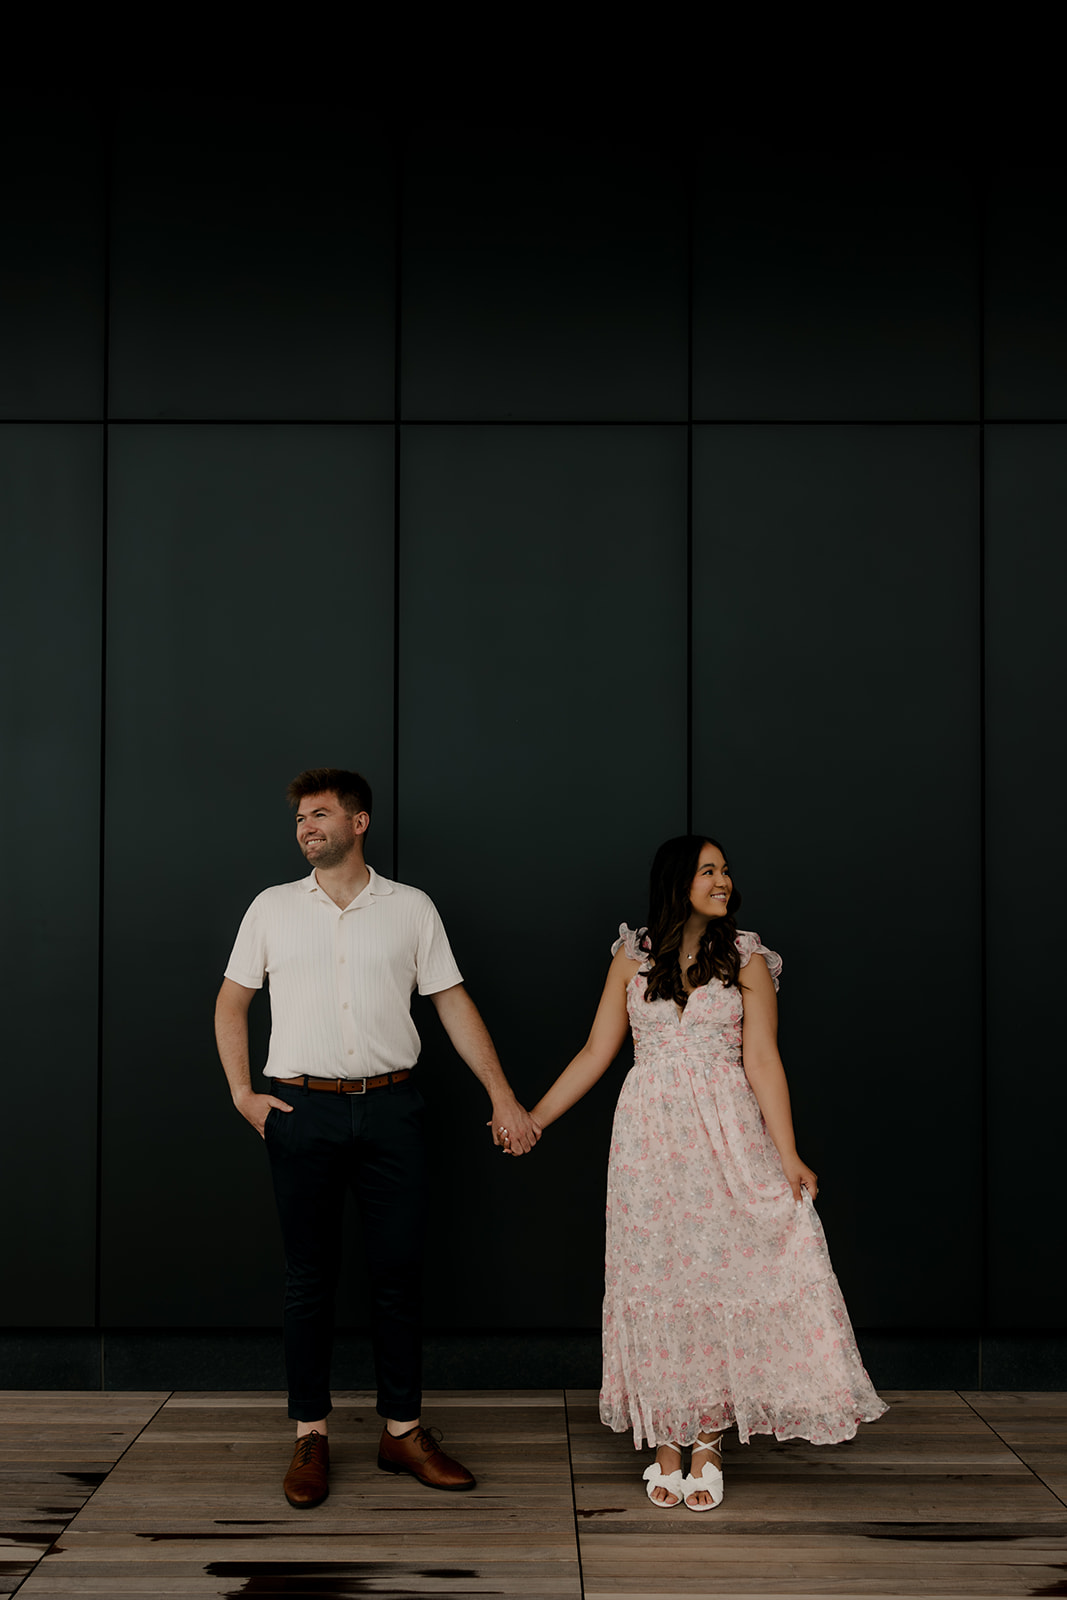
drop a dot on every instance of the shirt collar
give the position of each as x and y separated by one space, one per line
376 887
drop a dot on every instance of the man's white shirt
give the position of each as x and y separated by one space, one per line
341 981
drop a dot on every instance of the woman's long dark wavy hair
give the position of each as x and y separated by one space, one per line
669 909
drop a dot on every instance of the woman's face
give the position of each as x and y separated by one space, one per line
710 893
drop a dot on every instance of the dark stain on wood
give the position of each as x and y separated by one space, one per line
17 1570
979 1533
333 1580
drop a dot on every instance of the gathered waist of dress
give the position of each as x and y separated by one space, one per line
659 1056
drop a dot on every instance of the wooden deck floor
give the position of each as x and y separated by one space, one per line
159 1495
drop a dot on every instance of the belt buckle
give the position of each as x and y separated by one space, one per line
362 1087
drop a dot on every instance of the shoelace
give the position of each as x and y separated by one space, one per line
429 1439
306 1445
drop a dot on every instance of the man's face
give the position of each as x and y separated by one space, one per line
325 832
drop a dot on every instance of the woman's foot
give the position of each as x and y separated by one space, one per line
703 1488
664 1477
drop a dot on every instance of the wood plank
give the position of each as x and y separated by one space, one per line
1043 1402
305 1577
111 1401
914 1548
843 1589
484 1399
766 1576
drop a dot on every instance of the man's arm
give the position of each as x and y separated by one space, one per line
463 1023
231 1036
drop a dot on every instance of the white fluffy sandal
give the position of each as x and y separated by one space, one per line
673 1482
710 1480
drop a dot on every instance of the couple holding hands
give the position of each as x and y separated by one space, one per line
721 1308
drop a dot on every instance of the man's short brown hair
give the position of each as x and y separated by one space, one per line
352 790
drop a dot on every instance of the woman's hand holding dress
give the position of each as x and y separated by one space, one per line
799 1177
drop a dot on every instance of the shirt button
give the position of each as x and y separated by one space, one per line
342 960
346 1005
351 1052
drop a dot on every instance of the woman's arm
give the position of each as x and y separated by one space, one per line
610 1027
764 1071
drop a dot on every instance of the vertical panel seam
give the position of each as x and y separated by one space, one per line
983 922
690 207
106 157
398 245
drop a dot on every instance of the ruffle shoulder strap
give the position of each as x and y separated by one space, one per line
749 945
635 943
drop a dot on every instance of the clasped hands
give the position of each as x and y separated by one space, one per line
513 1129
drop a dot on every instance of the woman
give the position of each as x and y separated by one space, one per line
721 1307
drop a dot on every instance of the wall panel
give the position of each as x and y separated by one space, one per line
252 261
1026 777
545 276
827 287
836 756
50 641
52 267
250 635
1026 307
542 759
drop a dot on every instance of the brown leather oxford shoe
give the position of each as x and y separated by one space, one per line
307 1481
419 1453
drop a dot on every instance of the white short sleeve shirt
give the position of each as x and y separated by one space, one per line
341 981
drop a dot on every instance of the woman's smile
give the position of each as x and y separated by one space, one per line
712 885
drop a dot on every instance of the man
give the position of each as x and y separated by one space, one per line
344 949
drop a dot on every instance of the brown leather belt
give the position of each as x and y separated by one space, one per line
346 1085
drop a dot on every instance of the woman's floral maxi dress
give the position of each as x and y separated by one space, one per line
721 1306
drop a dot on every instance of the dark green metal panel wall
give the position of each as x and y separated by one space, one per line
572 484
